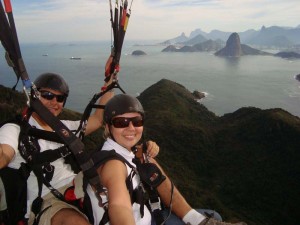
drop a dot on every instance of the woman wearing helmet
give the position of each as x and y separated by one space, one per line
124 119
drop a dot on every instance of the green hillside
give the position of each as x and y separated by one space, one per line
245 164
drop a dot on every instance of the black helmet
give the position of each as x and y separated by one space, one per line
121 104
52 81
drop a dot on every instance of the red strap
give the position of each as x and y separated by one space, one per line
21 222
7 5
108 66
70 195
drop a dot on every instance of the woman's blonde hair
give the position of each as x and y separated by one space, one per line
106 133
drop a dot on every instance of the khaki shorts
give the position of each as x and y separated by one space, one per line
56 205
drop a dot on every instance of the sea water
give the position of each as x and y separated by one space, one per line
229 83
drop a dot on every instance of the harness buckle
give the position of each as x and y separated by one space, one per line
64 152
155 205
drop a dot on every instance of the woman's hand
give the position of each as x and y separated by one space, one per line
152 149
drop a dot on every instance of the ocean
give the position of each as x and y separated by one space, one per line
229 83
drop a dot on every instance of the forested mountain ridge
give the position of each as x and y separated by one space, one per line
245 164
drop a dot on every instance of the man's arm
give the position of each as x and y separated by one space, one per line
95 121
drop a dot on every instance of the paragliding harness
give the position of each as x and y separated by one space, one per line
145 194
15 180
39 163
9 40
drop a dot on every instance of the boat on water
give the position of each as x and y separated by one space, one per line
75 58
45 54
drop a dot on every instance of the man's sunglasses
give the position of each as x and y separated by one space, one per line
122 122
49 96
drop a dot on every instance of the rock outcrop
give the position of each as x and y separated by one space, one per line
138 53
288 55
206 46
234 48
198 94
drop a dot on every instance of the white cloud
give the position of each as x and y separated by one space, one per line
71 20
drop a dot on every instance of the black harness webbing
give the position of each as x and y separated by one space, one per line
73 143
101 157
137 195
46 135
7 42
92 105
38 162
151 177
11 44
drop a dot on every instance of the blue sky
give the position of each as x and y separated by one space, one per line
81 20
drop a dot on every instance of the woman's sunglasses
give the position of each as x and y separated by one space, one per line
122 122
49 96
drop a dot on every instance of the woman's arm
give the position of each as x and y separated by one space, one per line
113 175
6 155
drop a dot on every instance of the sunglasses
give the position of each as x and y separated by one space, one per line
122 122
49 96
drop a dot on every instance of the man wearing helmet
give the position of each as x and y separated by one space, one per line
53 91
124 119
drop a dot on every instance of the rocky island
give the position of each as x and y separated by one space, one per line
138 53
234 48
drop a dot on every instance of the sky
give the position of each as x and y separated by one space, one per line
89 20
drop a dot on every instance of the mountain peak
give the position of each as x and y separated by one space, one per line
165 95
233 47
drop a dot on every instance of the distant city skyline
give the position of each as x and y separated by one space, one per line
88 20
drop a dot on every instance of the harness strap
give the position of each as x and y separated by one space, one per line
50 155
46 135
39 162
72 142
151 177
15 185
105 218
137 195
92 104
37 219
155 206
7 42
37 203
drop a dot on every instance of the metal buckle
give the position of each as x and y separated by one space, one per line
49 168
155 205
64 152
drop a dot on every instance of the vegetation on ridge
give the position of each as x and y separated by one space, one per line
245 164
